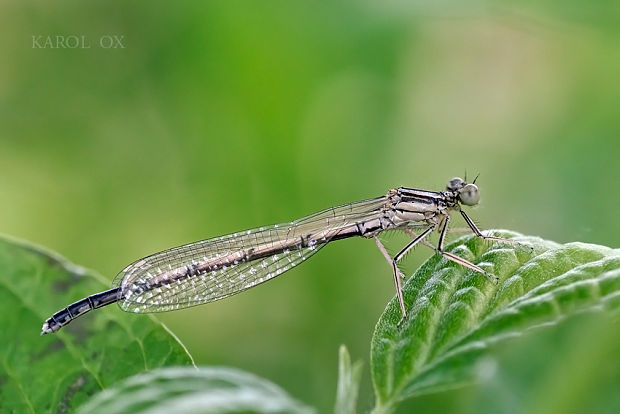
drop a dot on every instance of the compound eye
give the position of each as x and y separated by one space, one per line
469 195
455 184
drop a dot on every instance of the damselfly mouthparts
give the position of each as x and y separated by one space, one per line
216 268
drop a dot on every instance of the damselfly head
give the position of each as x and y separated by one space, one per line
468 193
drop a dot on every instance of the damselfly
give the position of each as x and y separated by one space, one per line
216 268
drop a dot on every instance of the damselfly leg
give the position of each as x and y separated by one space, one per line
421 238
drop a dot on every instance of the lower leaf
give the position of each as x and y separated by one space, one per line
194 390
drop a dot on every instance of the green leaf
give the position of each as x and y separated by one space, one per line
58 372
556 370
455 314
348 382
194 390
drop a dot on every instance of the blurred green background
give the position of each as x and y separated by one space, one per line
221 116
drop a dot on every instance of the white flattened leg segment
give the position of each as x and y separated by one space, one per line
398 276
